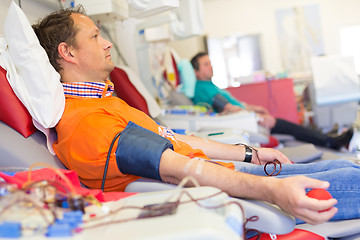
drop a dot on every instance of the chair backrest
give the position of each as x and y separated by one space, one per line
125 90
185 78
21 144
276 96
13 112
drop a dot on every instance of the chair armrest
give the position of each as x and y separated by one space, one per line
271 218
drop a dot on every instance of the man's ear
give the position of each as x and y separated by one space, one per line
65 52
196 73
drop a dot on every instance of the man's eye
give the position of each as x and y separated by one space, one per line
95 36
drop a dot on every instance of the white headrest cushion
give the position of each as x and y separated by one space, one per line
31 76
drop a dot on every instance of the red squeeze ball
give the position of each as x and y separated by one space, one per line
320 194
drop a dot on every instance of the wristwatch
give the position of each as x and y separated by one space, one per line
248 154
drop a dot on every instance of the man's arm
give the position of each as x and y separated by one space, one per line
230 108
256 108
287 193
216 150
265 119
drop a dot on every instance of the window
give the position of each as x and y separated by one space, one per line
234 59
350 44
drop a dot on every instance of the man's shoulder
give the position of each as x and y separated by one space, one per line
204 84
90 104
86 109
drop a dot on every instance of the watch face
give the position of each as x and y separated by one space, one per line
248 150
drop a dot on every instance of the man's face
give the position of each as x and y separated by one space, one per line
92 52
205 71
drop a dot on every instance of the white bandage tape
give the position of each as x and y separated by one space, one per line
199 166
189 164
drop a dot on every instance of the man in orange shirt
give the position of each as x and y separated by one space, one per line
92 118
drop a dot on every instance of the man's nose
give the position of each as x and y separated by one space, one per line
107 44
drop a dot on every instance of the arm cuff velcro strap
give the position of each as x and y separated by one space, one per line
219 102
139 151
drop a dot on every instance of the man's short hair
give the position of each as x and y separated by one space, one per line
56 28
195 59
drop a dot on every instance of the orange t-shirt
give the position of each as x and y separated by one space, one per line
86 130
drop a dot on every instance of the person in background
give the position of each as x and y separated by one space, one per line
223 102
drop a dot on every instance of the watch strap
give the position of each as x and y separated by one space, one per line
248 154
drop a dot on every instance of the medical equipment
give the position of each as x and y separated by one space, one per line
267 214
106 10
334 91
38 210
183 22
144 163
147 8
342 229
108 159
243 120
219 102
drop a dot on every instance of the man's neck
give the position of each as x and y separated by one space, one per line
205 80
75 77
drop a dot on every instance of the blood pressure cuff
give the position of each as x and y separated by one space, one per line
139 151
219 102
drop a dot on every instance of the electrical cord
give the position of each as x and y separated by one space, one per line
19 197
57 171
167 205
108 159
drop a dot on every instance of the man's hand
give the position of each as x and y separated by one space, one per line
289 194
265 155
266 120
229 108
257 109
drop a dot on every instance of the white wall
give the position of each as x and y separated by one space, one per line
32 9
126 43
227 17
187 48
